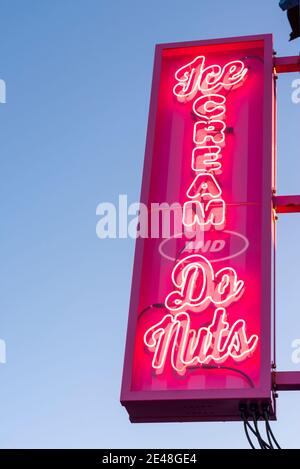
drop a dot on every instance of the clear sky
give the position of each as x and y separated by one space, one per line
72 135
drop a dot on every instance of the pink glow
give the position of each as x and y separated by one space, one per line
205 158
172 338
223 188
194 77
197 285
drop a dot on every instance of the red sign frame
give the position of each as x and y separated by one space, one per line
214 403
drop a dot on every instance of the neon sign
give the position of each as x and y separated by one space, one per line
200 312
197 284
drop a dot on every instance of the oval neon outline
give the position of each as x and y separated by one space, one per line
178 235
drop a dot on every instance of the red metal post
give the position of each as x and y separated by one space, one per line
286 203
286 380
287 64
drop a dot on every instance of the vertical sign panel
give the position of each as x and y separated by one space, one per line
199 333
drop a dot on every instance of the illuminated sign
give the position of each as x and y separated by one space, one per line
199 333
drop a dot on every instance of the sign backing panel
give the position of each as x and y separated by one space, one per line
199 332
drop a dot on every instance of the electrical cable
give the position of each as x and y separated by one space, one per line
221 367
246 426
262 443
268 436
269 429
154 305
265 416
248 436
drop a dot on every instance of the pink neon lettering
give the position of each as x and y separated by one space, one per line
197 285
210 106
205 158
204 186
205 215
194 77
172 338
188 77
213 130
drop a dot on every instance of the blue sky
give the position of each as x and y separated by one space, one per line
78 77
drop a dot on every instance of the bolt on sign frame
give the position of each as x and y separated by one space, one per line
199 339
